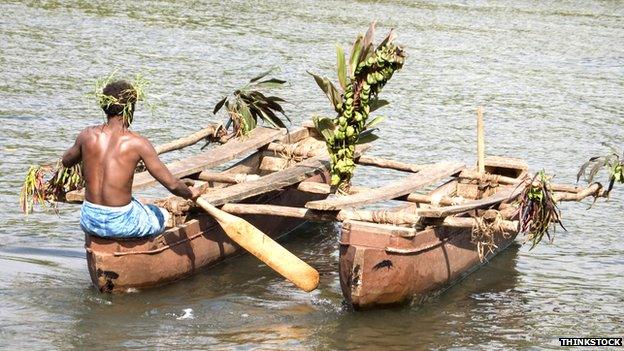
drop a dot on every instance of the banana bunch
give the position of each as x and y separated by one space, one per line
36 190
369 71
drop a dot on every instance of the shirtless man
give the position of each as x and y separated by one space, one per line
109 154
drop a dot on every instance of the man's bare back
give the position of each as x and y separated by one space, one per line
109 154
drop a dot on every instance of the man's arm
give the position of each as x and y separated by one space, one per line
161 173
73 155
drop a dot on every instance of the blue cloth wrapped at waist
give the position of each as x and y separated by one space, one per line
134 220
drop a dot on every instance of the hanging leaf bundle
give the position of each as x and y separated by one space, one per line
247 104
612 162
537 210
46 185
361 80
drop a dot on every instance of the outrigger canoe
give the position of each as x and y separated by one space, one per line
270 175
386 257
386 264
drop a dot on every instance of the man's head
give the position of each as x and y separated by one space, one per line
119 99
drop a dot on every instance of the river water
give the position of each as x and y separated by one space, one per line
550 76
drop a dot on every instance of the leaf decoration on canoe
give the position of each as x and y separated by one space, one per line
247 105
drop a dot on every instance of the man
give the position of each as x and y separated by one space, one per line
109 154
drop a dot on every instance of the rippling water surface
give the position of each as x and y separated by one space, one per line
549 74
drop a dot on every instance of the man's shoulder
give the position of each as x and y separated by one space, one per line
97 128
90 130
136 136
137 140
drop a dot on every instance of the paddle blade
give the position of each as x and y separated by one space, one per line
265 249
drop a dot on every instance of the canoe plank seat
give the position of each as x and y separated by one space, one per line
194 164
427 176
270 182
275 181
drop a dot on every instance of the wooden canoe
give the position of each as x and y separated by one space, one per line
198 242
384 264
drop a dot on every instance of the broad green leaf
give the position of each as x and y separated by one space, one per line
377 104
325 126
261 75
321 82
219 105
367 43
270 83
270 117
336 97
273 80
275 98
374 122
389 38
328 88
250 122
354 59
366 138
342 67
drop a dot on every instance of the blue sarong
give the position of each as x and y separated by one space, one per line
134 220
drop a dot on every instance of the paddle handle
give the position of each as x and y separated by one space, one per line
264 248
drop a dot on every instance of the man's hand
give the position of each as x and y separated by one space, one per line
195 193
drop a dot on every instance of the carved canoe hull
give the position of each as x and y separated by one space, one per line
119 266
385 265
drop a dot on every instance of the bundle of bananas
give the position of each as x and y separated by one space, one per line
37 190
369 71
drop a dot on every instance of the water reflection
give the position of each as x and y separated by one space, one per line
460 316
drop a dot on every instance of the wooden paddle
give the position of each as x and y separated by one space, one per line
264 248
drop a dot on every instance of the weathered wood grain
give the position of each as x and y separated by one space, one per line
508 193
425 177
274 181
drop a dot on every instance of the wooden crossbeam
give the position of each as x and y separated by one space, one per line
508 193
275 181
425 177
270 182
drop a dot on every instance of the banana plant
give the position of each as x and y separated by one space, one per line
360 81
248 104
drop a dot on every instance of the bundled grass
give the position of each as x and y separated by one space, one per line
248 104
129 97
538 210
612 162
45 185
